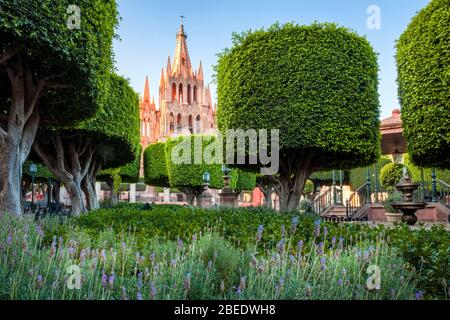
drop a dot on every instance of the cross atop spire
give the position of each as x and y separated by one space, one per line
181 63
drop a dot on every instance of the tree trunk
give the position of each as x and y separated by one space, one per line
290 183
114 198
76 196
56 191
90 194
70 164
190 196
17 136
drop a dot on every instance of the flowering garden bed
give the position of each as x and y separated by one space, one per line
188 253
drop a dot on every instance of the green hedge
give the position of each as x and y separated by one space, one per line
358 176
190 174
424 249
423 57
155 168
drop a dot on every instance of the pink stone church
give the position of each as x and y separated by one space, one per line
184 103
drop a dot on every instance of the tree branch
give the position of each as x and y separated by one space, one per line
3 134
9 54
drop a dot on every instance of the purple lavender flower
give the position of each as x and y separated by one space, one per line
173 262
242 284
139 296
281 246
152 291
292 259
333 241
104 279
325 231
317 229
139 281
238 291
253 261
209 268
294 224
320 249
283 231
419 295
393 293
194 238
259 233
179 243
111 281
187 282
300 246
9 239
323 262
39 281
40 231
341 243
340 282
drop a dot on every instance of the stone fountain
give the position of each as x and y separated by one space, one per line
408 206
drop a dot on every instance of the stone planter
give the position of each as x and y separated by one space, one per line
393 217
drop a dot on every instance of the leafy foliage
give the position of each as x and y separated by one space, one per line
416 172
423 52
317 84
190 173
358 176
155 168
426 250
77 58
391 174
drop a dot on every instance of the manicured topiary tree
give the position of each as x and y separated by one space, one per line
114 178
110 140
317 84
423 57
391 174
49 74
243 180
188 176
155 167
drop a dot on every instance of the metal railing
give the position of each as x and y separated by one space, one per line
358 200
324 201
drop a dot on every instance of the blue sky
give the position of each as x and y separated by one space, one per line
148 31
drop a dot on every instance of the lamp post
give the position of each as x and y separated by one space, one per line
227 195
33 170
206 197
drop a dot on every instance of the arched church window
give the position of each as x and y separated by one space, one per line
198 124
189 94
195 93
191 127
180 93
179 123
171 124
174 92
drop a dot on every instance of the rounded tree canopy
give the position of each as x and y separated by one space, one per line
155 168
72 60
391 174
317 84
423 57
130 172
115 129
186 164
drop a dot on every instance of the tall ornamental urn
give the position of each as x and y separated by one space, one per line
408 206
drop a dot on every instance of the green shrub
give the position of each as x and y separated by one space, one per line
391 174
240 227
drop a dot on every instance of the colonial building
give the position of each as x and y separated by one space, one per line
185 103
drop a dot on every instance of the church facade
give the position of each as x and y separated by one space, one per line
184 104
